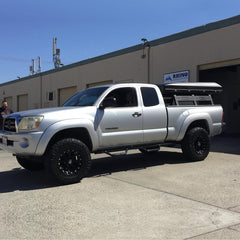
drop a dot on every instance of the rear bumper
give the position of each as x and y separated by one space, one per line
217 129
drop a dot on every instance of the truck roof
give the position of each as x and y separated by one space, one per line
201 88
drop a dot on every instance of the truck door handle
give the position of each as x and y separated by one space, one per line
136 114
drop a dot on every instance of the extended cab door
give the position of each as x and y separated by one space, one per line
120 123
154 115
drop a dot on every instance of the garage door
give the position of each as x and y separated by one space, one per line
99 83
125 81
65 93
22 102
228 77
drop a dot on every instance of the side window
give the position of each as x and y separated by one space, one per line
150 97
124 97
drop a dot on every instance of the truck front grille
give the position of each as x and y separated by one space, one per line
9 124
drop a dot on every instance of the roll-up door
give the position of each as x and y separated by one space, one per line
99 83
22 102
65 94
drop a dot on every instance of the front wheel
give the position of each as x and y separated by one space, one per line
69 160
196 144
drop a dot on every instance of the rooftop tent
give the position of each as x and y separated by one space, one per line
199 88
189 94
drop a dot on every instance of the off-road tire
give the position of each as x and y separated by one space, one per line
196 144
30 163
68 160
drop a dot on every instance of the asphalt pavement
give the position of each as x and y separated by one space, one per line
161 197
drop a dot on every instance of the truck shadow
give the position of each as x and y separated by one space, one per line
19 179
133 162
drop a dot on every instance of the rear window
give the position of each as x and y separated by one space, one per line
150 97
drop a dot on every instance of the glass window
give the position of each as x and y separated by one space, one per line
124 97
150 97
85 98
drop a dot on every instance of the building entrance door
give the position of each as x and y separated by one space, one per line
229 78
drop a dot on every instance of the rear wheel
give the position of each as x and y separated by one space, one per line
30 163
69 160
196 144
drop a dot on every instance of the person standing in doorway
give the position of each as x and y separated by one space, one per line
4 111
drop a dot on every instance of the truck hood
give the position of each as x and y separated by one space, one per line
52 115
50 111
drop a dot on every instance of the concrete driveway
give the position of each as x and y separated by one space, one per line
128 197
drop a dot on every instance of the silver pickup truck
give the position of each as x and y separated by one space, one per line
112 118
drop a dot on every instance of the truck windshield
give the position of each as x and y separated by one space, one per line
85 98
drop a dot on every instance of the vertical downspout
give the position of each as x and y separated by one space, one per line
41 90
148 62
147 44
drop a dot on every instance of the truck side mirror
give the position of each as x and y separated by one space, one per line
108 102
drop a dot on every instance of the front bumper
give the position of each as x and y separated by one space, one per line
20 143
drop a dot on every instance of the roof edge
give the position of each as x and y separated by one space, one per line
197 30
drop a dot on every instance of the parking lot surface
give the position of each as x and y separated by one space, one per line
158 196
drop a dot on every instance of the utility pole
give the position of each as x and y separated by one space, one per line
56 54
32 68
39 64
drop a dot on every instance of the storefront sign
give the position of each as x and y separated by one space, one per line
176 77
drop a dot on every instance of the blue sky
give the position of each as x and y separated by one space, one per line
89 28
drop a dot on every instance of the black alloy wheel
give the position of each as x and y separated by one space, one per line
69 160
196 144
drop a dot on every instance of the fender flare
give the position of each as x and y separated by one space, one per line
49 133
196 117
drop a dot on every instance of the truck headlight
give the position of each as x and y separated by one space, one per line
29 123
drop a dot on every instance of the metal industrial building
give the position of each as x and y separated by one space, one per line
206 53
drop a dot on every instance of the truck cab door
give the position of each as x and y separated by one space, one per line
120 119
